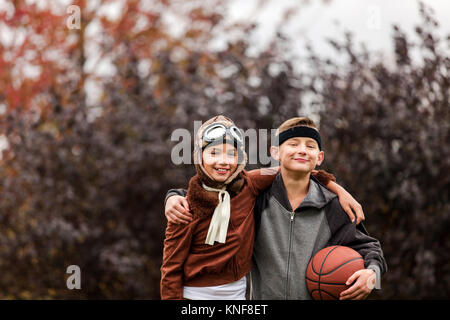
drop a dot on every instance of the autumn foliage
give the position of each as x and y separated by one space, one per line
82 179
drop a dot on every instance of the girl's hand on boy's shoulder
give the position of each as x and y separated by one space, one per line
177 210
352 207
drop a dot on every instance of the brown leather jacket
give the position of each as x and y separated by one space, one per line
188 261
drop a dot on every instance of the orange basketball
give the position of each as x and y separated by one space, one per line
329 269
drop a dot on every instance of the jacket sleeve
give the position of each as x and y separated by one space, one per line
176 249
346 233
262 178
175 192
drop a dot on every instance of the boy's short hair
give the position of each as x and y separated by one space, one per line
296 122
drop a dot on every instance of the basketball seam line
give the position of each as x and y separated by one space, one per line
324 274
337 284
323 262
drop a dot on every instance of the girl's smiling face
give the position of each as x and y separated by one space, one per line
220 161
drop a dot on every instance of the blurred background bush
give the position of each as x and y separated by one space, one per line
86 117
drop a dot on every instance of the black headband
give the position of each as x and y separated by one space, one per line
301 131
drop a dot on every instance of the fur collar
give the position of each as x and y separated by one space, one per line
202 202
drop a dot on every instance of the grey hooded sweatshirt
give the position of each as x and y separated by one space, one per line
287 239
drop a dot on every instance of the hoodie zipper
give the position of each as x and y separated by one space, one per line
291 223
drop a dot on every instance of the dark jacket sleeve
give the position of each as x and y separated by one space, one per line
175 192
257 210
346 233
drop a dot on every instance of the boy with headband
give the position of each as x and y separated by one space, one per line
297 216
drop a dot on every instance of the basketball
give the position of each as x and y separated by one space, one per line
329 269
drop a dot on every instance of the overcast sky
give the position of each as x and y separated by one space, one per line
315 20
370 21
